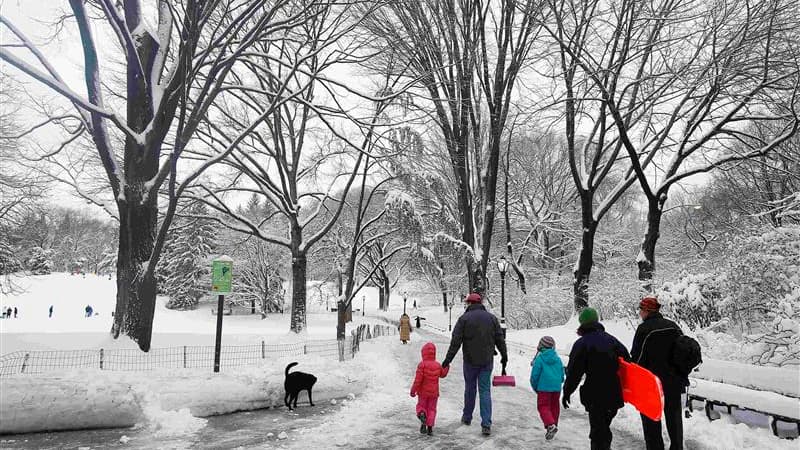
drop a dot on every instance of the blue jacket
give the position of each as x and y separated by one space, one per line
547 373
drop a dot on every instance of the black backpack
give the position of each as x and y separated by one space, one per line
685 355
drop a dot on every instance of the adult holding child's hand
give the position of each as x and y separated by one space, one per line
478 332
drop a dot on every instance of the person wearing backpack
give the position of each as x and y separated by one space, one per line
653 348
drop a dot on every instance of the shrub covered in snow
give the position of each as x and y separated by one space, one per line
764 273
756 292
696 300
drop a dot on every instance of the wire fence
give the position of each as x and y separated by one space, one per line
183 357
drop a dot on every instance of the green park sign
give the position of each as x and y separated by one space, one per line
221 274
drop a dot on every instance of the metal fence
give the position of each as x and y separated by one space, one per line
184 357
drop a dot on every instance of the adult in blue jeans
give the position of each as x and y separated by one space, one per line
478 332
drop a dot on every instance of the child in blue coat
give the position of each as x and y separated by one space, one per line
547 375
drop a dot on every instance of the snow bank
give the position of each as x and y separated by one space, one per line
170 402
699 432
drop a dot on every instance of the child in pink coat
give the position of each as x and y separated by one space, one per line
426 385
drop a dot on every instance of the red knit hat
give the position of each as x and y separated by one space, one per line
649 304
474 298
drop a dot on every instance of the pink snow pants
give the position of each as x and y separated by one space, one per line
549 408
427 404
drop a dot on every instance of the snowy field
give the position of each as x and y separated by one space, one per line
69 329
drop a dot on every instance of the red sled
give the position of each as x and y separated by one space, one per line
642 389
504 380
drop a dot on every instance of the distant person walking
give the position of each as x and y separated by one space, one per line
652 349
478 332
405 328
595 354
8 312
50 312
15 312
88 310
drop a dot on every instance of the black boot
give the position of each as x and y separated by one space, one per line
430 431
422 418
486 431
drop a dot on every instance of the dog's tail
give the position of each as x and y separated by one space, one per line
286 373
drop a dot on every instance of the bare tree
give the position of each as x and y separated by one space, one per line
697 80
294 154
20 187
173 74
465 57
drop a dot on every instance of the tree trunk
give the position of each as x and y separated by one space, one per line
138 220
136 289
583 267
298 322
339 282
444 300
647 255
340 320
387 292
477 279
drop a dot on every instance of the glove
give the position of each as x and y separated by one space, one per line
565 401
445 365
503 363
413 394
445 371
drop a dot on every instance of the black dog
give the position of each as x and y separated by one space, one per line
296 382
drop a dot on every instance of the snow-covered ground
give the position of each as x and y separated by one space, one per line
173 403
69 329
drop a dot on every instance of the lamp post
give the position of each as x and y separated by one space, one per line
404 302
363 303
502 266
450 325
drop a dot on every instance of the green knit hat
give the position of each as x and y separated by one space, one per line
588 315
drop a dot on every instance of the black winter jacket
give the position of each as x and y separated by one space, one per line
479 332
596 355
652 349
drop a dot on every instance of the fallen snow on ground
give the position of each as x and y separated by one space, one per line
170 401
69 329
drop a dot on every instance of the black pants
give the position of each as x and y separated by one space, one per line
600 427
672 415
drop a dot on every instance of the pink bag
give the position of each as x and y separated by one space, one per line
504 380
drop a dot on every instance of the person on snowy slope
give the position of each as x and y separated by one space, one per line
405 328
426 387
652 347
547 374
479 332
595 354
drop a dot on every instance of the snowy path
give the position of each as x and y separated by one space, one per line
384 418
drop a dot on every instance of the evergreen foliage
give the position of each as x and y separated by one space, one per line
185 270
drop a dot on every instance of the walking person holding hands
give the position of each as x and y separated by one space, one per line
478 332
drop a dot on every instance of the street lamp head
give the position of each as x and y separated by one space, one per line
502 265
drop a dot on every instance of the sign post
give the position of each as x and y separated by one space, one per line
221 277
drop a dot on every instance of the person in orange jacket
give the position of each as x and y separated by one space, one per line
426 387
